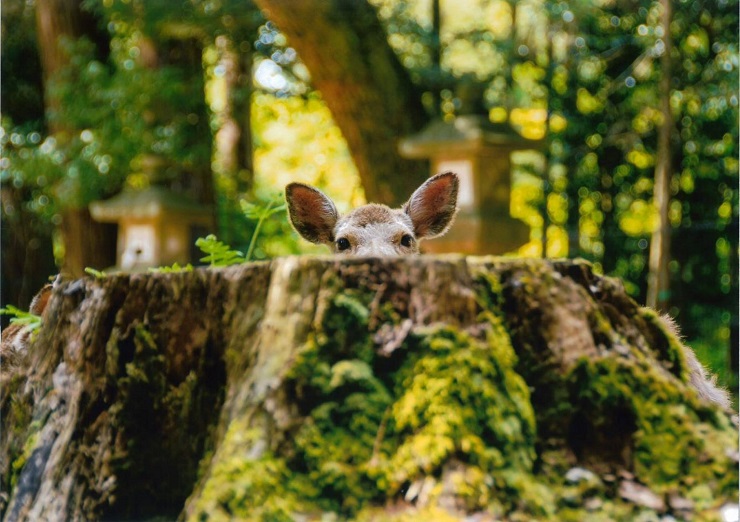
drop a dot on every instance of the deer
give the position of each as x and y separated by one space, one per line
375 229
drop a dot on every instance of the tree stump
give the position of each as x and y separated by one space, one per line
372 389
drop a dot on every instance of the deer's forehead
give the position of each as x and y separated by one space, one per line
374 216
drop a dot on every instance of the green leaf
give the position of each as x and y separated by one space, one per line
95 273
347 371
260 212
251 210
175 268
31 321
218 254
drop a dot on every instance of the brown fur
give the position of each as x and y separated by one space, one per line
312 213
701 380
40 300
15 339
374 229
372 213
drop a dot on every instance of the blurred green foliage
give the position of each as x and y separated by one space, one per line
583 75
30 321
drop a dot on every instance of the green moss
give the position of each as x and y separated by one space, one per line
669 345
343 333
29 445
457 396
23 430
490 291
247 482
677 440
377 514
20 413
374 424
346 405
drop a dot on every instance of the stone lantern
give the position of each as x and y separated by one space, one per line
156 226
480 153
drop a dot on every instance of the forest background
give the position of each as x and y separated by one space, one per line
235 109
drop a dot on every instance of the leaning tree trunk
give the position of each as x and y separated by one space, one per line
367 388
367 90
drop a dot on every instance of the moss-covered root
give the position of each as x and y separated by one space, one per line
674 442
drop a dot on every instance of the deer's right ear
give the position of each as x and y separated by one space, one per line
312 213
432 206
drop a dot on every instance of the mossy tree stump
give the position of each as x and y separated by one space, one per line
374 389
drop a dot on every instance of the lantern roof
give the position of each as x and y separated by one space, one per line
148 203
468 133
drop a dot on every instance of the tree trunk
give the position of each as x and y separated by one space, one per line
87 243
367 388
26 251
194 176
27 254
233 155
234 136
364 85
23 98
57 20
658 291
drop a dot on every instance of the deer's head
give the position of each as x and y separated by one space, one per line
375 230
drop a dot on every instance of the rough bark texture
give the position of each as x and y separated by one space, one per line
374 389
364 85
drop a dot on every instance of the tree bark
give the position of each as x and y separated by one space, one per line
658 291
234 137
364 85
87 243
57 20
423 387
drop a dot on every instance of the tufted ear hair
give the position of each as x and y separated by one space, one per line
433 205
311 212
40 300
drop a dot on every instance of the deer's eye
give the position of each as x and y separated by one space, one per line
343 243
406 240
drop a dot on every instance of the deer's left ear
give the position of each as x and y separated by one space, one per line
432 206
311 212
